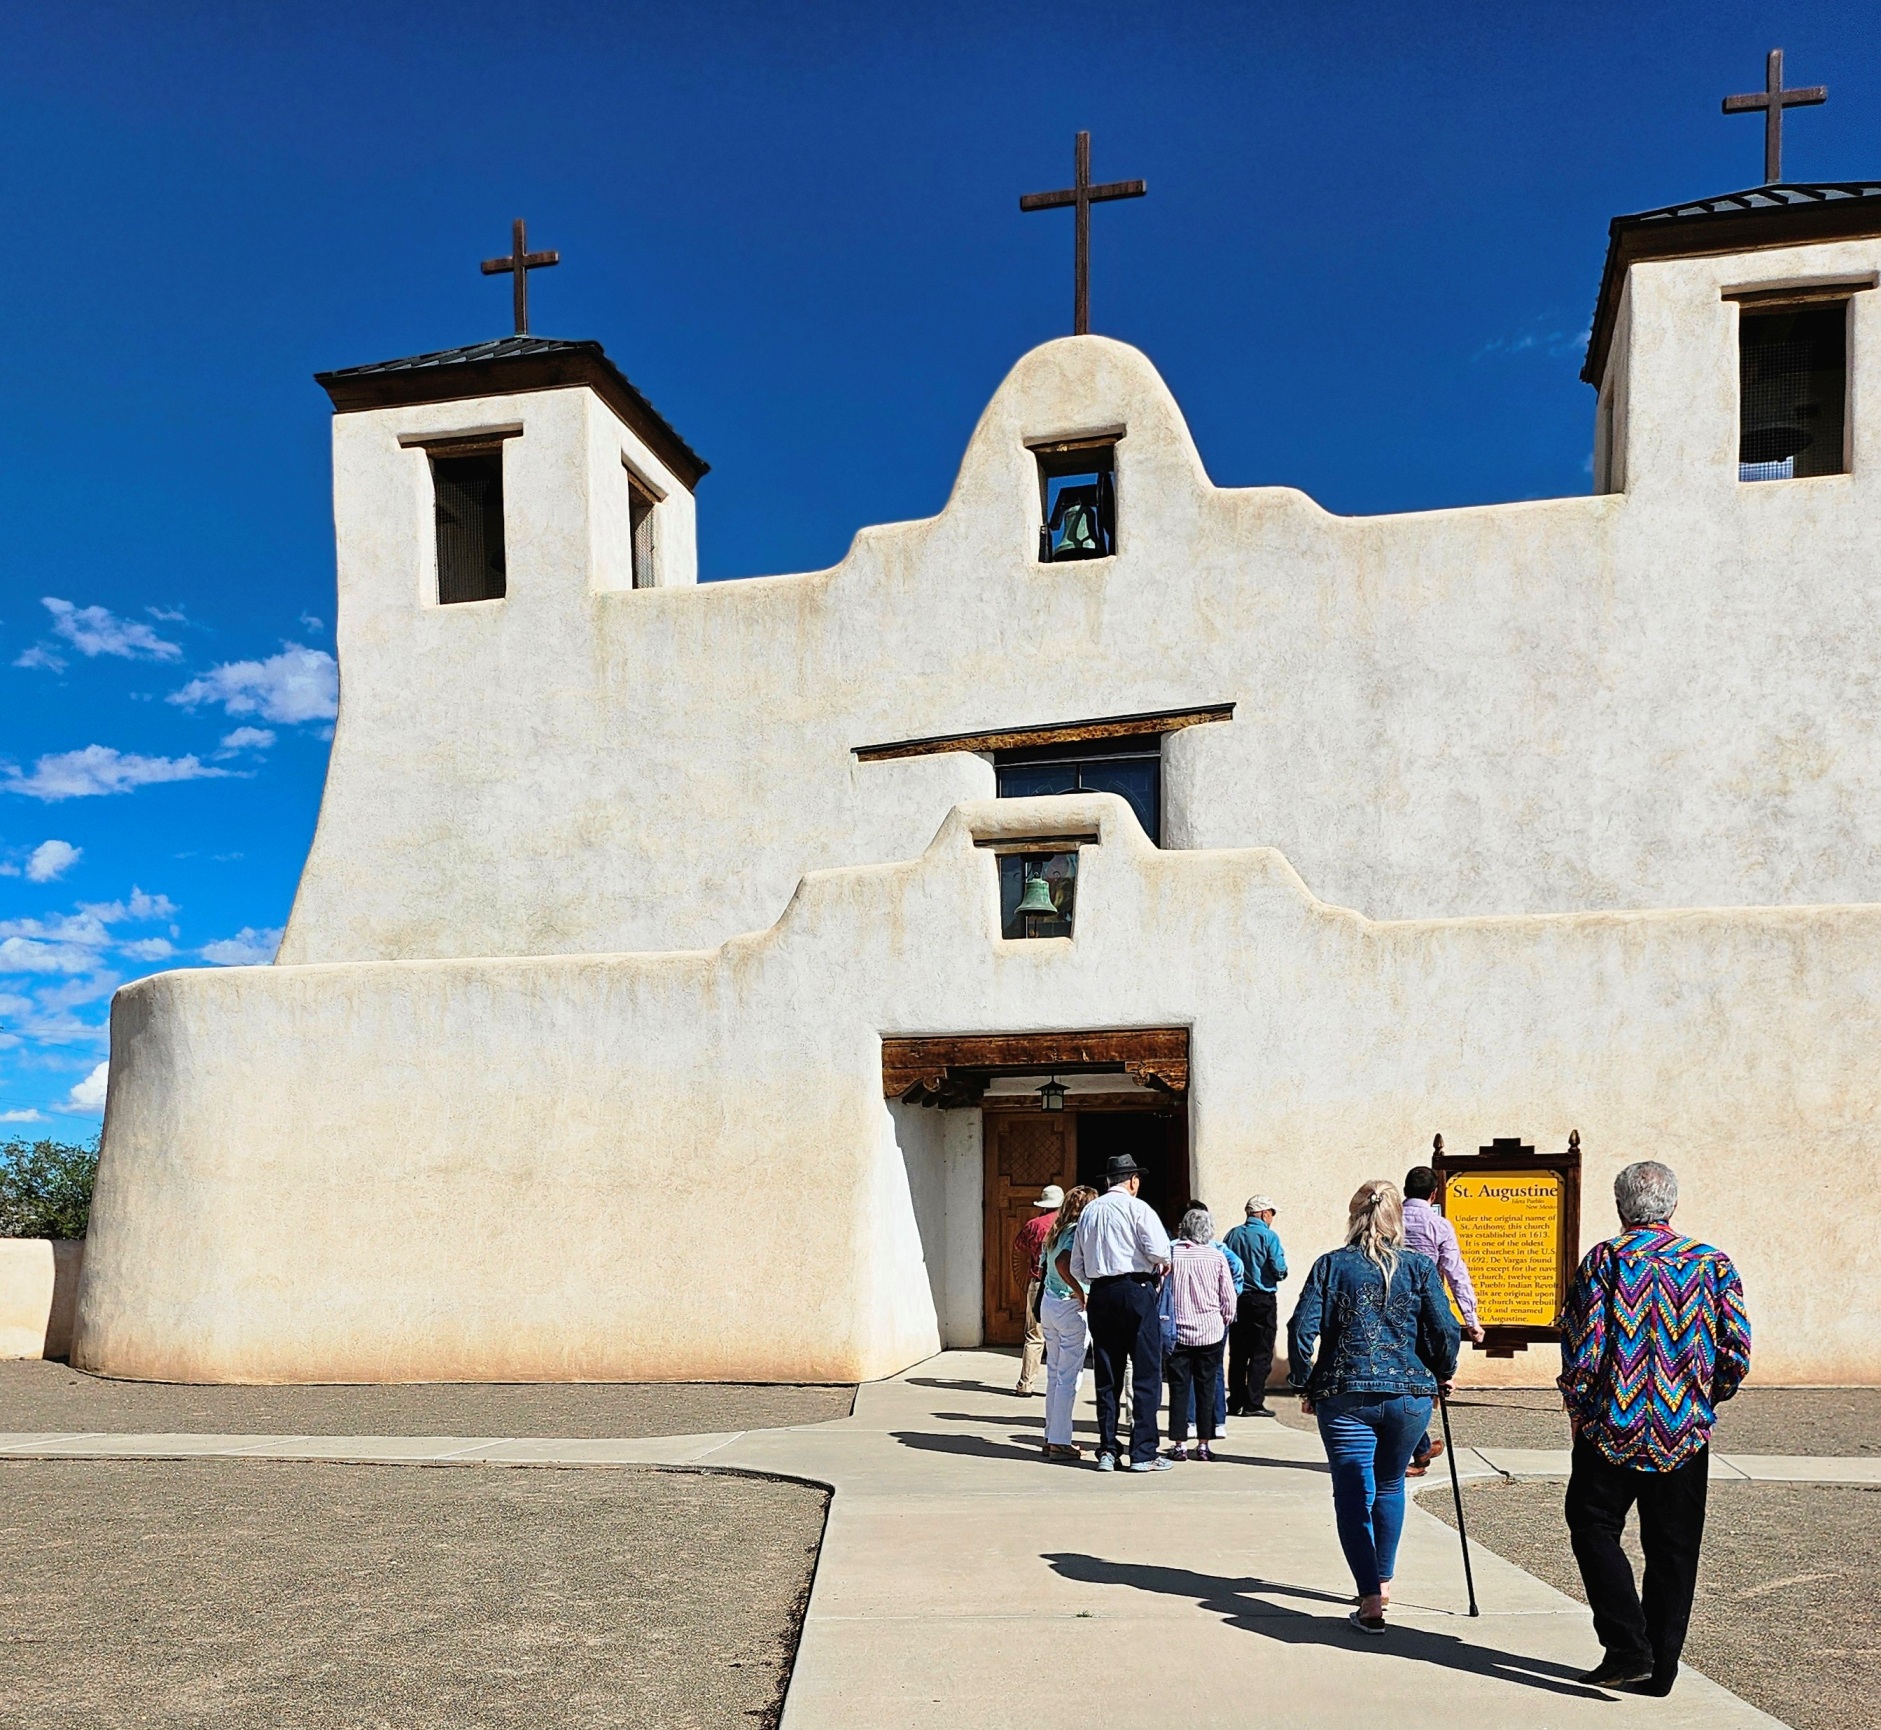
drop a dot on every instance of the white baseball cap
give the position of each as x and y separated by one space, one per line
1260 1204
1050 1196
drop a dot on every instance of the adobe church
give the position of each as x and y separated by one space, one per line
797 929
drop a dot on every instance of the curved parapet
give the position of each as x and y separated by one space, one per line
682 1165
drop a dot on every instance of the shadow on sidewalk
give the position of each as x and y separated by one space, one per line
981 1446
1243 1603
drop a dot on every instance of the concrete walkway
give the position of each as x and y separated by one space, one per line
963 1583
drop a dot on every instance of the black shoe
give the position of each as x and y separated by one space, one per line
1255 1412
1613 1672
1653 1687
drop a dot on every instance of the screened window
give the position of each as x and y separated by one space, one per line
469 496
1792 391
1118 766
1077 488
641 505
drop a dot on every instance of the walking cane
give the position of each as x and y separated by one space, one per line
1456 1490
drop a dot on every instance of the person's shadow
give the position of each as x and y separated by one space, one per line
1247 1604
979 1447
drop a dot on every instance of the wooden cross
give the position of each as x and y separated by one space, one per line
1082 195
519 262
1773 99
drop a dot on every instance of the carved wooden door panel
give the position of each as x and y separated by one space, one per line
1024 1151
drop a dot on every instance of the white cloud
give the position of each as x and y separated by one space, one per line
40 656
169 615
29 955
248 739
247 948
299 684
148 949
139 908
50 860
27 1116
89 1094
97 631
99 769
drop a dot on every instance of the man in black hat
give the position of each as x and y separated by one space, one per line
1119 1254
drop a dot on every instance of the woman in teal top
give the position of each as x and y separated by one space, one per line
1061 1316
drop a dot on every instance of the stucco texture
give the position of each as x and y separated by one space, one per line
681 1165
1657 697
38 1293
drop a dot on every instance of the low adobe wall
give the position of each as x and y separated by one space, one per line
681 1166
38 1295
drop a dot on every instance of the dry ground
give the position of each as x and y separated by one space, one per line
1758 1421
51 1396
1785 1615
251 1595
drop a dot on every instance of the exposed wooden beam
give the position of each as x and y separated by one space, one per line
1050 733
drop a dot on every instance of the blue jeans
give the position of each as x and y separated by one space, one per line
1369 1439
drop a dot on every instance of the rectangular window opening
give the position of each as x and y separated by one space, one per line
1792 391
468 489
1038 894
1132 768
1077 489
641 504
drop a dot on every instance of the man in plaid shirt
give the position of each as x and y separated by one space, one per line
1653 1338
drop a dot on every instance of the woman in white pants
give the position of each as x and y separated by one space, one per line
1061 1316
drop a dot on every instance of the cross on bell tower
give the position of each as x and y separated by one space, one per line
1773 99
519 263
1082 195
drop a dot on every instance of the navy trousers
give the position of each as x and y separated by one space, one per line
1126 1326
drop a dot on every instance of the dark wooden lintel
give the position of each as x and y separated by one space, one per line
955 1068
1050 733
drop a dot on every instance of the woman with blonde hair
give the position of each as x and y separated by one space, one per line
1386 1345
1061 1315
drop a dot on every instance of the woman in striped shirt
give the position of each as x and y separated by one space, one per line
1203 1290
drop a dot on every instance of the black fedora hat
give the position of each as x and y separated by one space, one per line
1119 1166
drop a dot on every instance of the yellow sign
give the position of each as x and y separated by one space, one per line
1508 1226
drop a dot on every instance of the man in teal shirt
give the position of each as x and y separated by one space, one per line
1257 1315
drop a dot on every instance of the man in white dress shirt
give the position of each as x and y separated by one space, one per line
1119 1254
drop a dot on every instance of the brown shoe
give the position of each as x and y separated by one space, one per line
1414 1470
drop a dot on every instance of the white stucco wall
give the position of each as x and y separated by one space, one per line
1653 698
38 1295
681 1165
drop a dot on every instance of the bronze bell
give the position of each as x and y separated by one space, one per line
1037 899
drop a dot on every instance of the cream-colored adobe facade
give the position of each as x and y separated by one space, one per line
1531 816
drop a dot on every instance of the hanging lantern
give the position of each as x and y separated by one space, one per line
1051 1096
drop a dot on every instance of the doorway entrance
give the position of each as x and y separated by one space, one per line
1025 1148
1125 1090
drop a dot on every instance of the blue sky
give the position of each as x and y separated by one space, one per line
1365 266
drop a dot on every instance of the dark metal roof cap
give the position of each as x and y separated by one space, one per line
1749 221
509 366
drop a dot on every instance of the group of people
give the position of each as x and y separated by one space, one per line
1654 1335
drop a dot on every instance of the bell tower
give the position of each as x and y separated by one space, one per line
467 476
1724 336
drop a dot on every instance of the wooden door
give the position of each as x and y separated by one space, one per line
1024 1151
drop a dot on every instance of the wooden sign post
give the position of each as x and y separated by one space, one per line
1517 1216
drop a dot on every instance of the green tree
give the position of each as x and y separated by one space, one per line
45 1188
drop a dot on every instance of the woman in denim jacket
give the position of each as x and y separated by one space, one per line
1387 1344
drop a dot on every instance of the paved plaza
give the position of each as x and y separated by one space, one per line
335 1576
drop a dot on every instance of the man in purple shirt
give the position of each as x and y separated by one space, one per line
1429 1233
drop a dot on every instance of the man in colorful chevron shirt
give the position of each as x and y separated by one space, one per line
1653 1337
